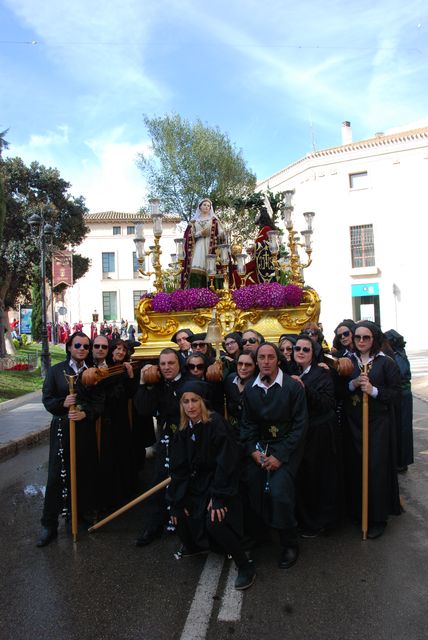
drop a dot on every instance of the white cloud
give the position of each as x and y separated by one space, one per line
103 171
113 181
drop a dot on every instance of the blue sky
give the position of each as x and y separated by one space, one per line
279 77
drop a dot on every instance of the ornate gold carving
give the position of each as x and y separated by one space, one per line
148 325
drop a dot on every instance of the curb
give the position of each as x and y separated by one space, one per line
8 405
13 447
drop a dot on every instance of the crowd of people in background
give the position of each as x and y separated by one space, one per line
271 441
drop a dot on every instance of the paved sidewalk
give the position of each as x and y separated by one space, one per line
24 422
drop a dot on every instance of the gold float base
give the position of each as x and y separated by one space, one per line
157 328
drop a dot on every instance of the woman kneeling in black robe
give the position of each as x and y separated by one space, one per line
205 470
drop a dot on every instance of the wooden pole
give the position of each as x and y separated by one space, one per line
365 465
73 473
131 504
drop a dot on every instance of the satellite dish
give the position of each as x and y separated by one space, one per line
62 311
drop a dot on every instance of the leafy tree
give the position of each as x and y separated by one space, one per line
30 188
3 142
192 160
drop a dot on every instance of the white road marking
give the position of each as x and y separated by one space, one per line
232 599
201 608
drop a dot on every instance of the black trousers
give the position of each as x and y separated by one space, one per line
57 494
224 537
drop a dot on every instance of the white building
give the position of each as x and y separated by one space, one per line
370 228
113 286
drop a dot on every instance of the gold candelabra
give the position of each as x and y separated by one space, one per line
155 251
296 266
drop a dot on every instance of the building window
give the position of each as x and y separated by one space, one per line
117 231
362 246
137 296
130 230
108 262
358 180
110 305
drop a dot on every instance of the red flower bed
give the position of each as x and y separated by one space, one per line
19 367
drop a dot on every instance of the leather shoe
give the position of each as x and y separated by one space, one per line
148 536
288 557
47 535
376 530
246 576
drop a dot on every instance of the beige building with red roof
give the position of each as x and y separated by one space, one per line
112 286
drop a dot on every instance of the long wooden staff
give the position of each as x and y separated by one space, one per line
365 464
73 475
131 504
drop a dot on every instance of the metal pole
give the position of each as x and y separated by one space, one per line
45 355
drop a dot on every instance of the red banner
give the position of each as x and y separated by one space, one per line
62 268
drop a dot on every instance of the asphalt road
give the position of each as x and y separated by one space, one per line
105 588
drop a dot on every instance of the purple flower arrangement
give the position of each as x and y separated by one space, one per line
268 294
184 300
262 296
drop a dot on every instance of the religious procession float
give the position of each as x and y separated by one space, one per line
217 288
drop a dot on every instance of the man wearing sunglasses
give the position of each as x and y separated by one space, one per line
83 407
273 428
100 351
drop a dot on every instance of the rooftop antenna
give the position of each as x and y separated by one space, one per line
311 125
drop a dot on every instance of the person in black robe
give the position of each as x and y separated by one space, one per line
181 339
204 491
232 345
382 385
404 405
59 402
161 401
234 386
273 427
286 343
319 479
117 469
196 369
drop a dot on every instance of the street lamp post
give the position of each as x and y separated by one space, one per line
44 232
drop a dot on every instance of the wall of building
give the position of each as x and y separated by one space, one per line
393 200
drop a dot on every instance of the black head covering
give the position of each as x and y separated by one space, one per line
199 387
350 324
395 339
188 332
235 335
291 337
378 336
198 337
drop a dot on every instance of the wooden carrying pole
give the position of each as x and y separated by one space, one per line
131 504
365 465
73 474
